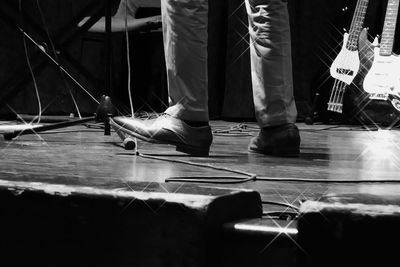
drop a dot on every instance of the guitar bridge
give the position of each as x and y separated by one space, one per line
335 107
379 96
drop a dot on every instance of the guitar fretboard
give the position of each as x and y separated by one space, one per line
357 24
389 28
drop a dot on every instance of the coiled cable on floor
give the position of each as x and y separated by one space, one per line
246 177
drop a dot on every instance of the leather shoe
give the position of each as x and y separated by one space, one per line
282 140
166 129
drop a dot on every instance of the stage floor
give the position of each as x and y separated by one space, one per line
329 154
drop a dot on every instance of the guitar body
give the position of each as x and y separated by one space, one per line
384 76
358 107
366 54
346 65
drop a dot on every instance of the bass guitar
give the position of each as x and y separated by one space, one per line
346 65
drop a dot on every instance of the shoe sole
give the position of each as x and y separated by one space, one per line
188 149
282 153
290 150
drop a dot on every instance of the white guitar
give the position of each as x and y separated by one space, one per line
346 65
383 79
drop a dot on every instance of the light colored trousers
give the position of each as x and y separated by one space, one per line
185 24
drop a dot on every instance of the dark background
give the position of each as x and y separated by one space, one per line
317 30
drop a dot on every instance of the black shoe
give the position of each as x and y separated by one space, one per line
282 140
166 129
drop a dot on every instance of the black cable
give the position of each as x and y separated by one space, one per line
342 128
240 129
216 179
205 179
326 181
280 215
72 131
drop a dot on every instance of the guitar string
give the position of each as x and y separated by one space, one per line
388 33
359 22
334 102
338 88
332 93
332 99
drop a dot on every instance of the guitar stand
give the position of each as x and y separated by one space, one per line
394 117
392 122
313 114
319 112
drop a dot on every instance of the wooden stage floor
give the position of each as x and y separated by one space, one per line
328 153
343 165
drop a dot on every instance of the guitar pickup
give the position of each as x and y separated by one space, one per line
345 71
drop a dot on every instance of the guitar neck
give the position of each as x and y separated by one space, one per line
357 24
389 28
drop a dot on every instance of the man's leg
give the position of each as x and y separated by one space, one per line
271 70
185 123
185 30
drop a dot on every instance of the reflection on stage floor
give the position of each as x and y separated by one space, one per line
328 153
